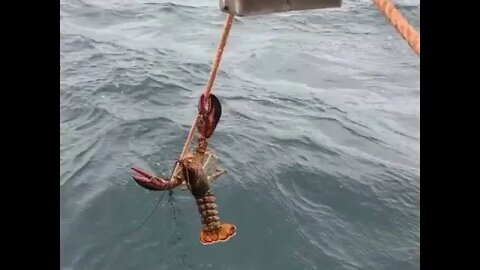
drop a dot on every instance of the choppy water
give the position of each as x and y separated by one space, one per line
320 136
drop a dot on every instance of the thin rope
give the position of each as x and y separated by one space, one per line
151 213
400 23
213 75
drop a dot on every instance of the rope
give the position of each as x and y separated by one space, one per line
218 56
400 23
213 75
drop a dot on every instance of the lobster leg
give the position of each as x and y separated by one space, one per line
214 176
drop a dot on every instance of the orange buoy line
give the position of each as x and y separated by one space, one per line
400 23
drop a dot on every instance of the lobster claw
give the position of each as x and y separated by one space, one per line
210 111
147 180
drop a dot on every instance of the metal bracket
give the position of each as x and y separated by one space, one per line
260 7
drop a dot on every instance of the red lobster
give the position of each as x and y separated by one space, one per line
197 170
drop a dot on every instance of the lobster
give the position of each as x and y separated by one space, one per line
197 170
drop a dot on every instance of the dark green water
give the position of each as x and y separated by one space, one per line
320 136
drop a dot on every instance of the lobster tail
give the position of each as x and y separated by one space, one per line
222 234
213 230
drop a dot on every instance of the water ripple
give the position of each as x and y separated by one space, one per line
319 135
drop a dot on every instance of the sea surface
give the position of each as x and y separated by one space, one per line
320 135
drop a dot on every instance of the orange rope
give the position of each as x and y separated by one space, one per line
400 23
213 75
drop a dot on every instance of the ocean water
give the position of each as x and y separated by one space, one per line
320 135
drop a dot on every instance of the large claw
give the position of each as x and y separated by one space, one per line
151 182
210 111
